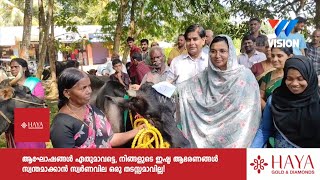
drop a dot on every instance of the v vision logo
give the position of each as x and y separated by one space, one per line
283 41
283 23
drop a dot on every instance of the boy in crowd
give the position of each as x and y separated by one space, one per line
120 76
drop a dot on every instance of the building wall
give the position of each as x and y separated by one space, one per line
99 53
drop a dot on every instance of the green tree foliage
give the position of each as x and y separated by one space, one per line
11 13
265 9
164 20
75 12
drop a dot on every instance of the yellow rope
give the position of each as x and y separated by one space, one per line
131 118
149 137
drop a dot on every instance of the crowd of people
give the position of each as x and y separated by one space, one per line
218 91
267 96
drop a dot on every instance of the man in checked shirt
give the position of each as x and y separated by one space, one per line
313 50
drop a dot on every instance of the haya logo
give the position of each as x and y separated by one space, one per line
258 164
284 164
283 23
32 125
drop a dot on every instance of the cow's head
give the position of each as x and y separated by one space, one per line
14 96
112 110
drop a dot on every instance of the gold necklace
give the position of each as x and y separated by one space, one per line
77 117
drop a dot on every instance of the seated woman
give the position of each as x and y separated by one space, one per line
295 108
220 107
36 88
78 124
273 79
262 68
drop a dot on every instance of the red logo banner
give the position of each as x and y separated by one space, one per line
31 124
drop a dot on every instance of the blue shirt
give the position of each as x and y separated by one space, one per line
295 36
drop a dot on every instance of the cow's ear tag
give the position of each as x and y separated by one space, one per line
165 88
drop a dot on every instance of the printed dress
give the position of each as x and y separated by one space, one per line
93 132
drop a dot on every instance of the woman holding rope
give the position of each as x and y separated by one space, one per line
78 124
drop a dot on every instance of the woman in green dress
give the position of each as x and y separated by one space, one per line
273 79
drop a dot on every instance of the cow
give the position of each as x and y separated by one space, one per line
156 108
96 84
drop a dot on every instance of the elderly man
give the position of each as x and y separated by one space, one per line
188 65
160 68
209 38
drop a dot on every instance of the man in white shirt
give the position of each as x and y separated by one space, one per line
188 65
250 56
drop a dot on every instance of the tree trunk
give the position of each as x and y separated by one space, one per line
53 93
132 18
27 23
42 21
317 17
45 36
52 49
132 28
121 13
